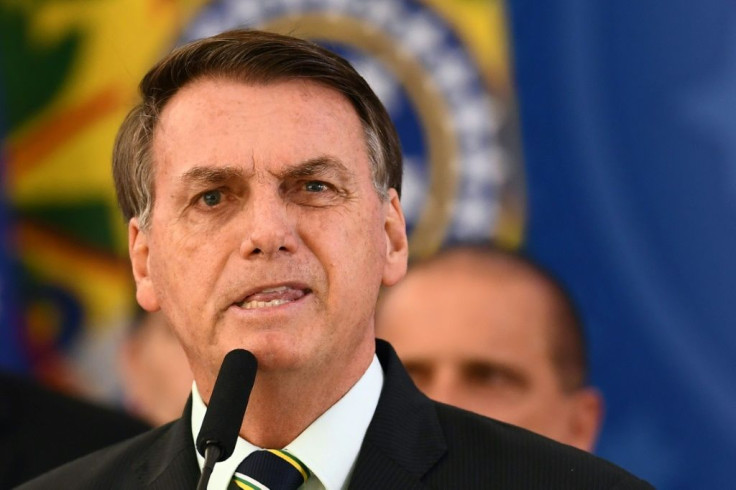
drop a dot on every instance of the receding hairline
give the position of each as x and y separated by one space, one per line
324 163
564 332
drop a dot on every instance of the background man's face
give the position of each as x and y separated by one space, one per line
480 343
154 371
267 232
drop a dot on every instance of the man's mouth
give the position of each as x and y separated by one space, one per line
271 297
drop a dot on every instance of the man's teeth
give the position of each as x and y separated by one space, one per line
272 297
250 305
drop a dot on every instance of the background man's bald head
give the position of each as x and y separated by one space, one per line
525 281
490 331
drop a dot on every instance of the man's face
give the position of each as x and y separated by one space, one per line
481 342
266 233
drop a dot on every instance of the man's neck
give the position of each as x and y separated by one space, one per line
282 404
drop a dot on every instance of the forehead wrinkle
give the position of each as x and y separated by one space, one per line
211 175
322 165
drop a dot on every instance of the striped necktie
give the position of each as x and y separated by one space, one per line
270 469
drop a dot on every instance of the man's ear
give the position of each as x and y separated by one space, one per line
397 244
139 254
586 418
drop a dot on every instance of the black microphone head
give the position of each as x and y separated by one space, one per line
228 401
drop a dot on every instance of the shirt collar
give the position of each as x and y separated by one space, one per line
329 446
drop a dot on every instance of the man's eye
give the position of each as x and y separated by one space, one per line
212 198
315 186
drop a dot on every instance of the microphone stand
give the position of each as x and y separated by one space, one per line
211 455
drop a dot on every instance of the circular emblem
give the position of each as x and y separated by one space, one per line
459 179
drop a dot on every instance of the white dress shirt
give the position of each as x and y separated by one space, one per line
329 446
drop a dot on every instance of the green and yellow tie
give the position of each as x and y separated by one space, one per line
271 469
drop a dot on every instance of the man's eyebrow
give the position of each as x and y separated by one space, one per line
211 175
322 165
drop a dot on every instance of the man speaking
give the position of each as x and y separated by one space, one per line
260 176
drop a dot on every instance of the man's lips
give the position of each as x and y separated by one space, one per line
272 296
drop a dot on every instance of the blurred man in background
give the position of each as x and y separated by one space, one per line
488 331
154 370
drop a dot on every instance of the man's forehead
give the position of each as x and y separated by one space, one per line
317 133
467 308
202 91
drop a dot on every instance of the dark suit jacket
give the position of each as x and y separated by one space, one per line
41 429
411 443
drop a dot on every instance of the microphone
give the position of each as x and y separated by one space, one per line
221 425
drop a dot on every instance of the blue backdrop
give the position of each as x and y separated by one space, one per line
628 113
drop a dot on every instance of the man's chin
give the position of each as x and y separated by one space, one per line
273 352
274 359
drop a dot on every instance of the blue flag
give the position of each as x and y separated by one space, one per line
628 114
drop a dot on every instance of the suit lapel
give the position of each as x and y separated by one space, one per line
171 462
404 440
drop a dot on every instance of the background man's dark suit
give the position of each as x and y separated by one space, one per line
411 442
41 429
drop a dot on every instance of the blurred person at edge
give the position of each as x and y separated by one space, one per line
488 330
154 371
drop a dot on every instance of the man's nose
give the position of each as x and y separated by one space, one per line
268 227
